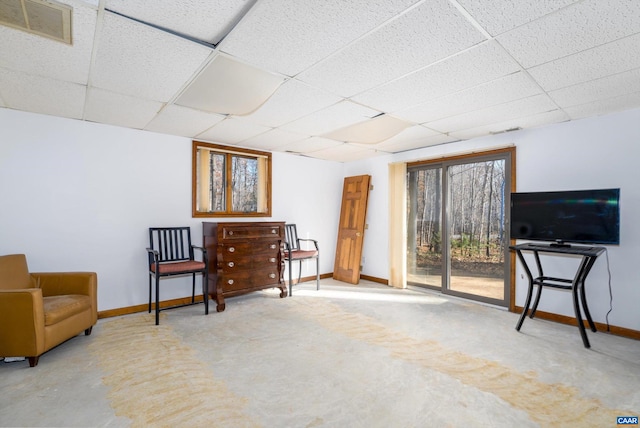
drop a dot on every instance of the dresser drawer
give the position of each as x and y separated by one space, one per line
249 232
250 248
236 262
245 279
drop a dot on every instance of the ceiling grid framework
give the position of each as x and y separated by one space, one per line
426 72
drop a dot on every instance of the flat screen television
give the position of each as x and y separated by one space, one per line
577 216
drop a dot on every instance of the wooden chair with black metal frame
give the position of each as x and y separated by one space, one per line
293 252
171 254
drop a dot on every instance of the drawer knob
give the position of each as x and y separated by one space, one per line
272 246
272 275
272 259
231 249
230 281
231 232
231 264
274 231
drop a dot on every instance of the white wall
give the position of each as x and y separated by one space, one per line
590 153
81 196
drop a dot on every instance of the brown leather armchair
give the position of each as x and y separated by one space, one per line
38 311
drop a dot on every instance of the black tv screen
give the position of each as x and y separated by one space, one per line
579 216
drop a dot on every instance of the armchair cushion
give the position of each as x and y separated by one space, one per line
58 308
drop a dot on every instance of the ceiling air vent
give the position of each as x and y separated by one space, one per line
41 17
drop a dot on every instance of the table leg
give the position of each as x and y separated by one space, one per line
583 296
525 308
575 285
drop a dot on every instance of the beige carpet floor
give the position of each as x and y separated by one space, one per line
344 356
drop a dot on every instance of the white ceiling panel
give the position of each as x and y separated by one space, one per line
233 130
414 40
345 153
480 64
623 102
495 114
41 95
532 121
273 139
611 58
292 101
204 20
401 145
288 37
414 134
600 89
141 61
41 56
498 16
120 110
508 88
334 117
177 120
576 28
312 144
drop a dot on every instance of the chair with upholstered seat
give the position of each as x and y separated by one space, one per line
171 254
39 311
293 252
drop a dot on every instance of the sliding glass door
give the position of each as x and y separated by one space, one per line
456 212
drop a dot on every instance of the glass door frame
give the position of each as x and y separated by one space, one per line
508 155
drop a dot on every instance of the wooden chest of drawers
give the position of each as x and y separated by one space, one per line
244 257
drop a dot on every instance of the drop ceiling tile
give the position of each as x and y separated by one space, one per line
498 16
601 107
345 153
273 139
41 56
120 110
144 62
204 20
573 29
495 114
288 37
402 145
312 144
178 120
480 64
336 116
600 89
233 130
539 119
292 101
508 88
415 134
610 58
37 94
430 32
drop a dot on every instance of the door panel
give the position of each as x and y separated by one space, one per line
353 213
476 229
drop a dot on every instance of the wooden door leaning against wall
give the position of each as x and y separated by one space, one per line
353 213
